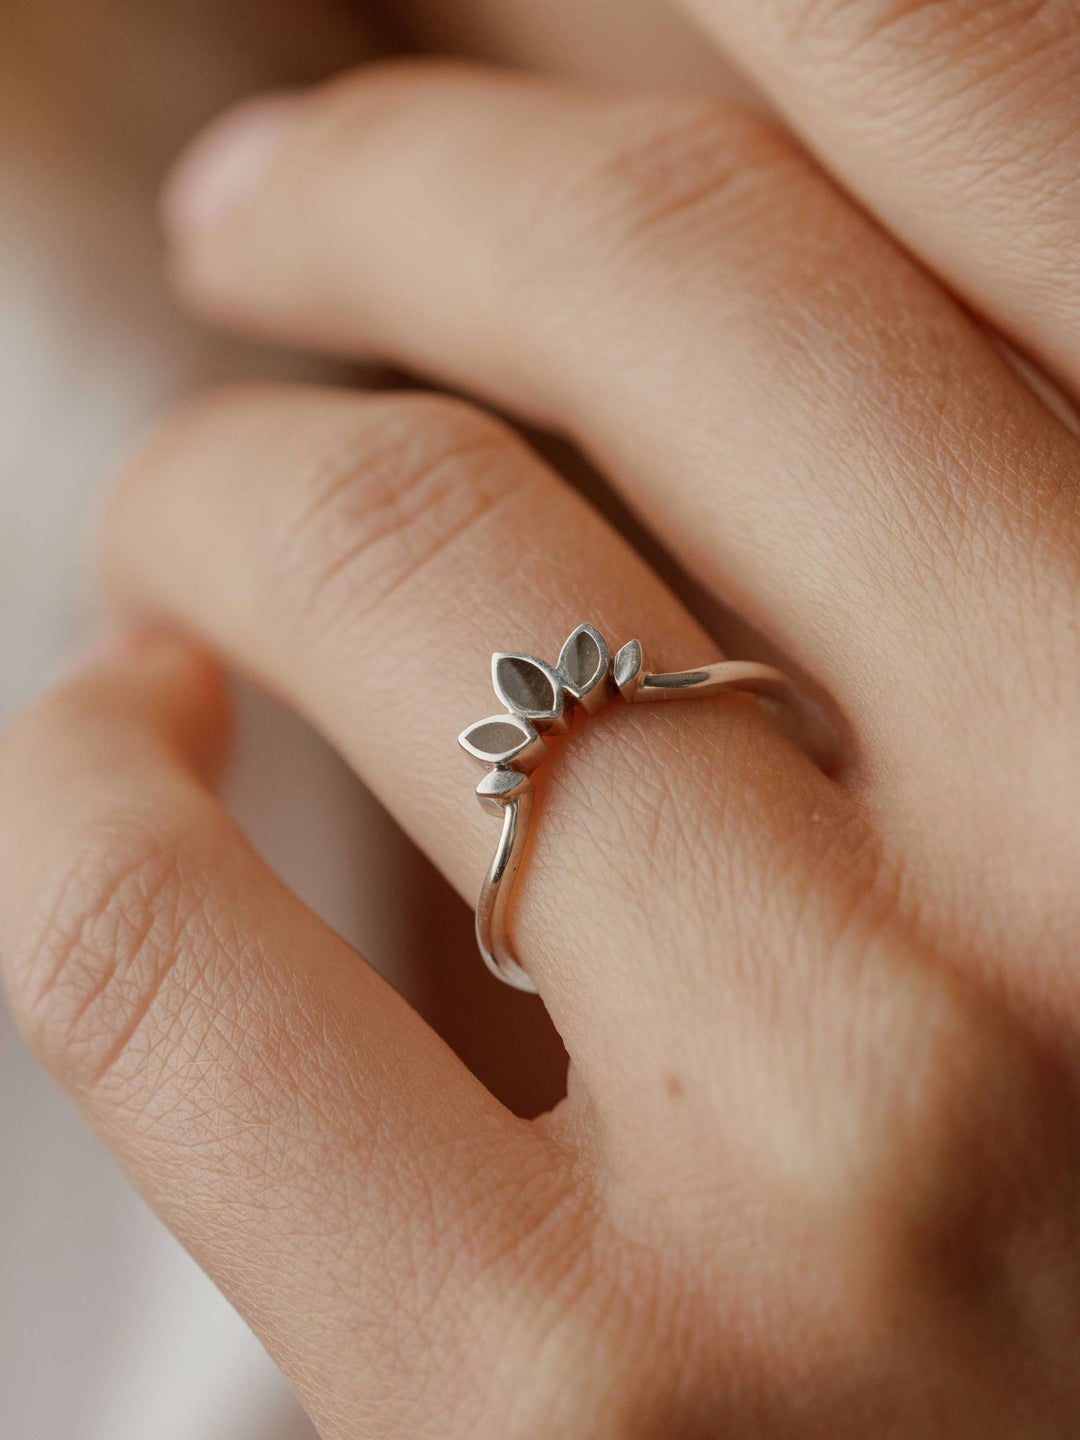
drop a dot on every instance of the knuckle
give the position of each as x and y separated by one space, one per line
966 27
663 161
380 498
352 110
90 972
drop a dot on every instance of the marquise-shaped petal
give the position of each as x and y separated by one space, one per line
585 666
530 689
504 740
628 669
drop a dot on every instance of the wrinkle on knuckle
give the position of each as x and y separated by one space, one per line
936 30
95 968
381 503
649 166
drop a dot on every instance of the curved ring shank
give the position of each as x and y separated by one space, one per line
726 676
491 910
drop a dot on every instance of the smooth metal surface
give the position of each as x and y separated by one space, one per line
539 699
491 927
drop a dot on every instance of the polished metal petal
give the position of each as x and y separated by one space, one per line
500 787
585 666
504 740
629 668
530 689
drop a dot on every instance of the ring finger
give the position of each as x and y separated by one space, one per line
369 554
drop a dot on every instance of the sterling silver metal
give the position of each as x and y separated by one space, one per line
539 700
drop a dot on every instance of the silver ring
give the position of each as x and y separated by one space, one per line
539 701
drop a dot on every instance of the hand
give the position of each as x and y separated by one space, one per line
817 1173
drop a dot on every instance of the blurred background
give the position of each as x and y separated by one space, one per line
107 1330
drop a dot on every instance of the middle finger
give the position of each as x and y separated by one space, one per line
803 415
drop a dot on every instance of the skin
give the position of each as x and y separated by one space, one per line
816 1173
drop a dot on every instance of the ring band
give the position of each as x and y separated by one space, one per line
539 700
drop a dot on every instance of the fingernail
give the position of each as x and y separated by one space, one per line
224 165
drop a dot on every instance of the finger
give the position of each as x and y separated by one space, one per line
643 42
368 555
322 1154
800 413
958 123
